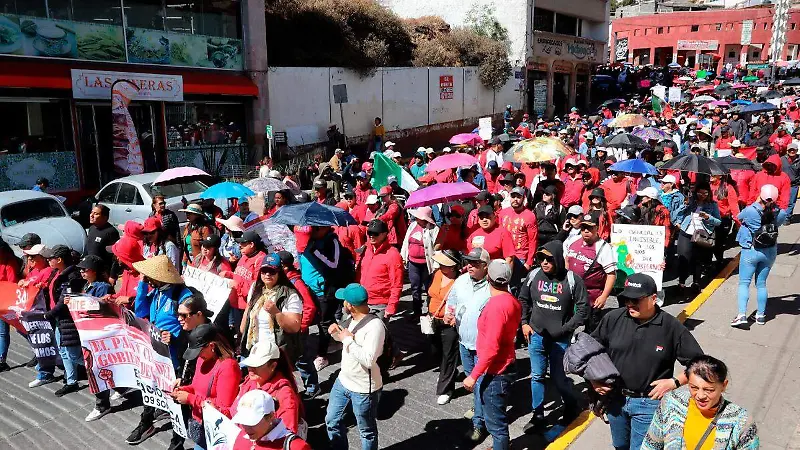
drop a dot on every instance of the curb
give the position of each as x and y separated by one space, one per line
579 425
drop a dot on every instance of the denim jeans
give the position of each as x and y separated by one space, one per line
630 419
792 201
543 350
492 390
5 340
420 280
755 262
365 408
72 357
468 359
305 366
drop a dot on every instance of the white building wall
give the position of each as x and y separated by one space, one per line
299 103
405 97
364 101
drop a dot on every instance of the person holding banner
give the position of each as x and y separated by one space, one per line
127 252
9 271
261 428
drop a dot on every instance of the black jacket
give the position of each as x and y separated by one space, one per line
68 278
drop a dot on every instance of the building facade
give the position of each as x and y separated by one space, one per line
197 65
703 38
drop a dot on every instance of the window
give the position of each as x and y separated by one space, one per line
35 209
669 30
175 190
543 19
646 31
718 27
660 30
756 54
109 194
127 194
695 28
765 25
566 25
35 126
636 32
793 25
732 54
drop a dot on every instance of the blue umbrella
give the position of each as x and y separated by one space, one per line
226 190
759 107
313 214
741 102
634 166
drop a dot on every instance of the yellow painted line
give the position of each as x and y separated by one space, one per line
579 425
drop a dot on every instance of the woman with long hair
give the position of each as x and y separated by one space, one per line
169 220
698 217
155 242
417 253
279 200
453 233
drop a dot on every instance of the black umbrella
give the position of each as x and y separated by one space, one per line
772 94
792 82
695 163
736 109
723 87
734 163
725 93
506 137
626 140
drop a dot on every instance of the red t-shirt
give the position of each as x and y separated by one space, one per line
524 232
497 242
497 328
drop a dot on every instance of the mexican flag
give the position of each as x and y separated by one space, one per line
661 107
384 167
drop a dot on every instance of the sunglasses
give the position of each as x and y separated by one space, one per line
587 227
185 315
485 216
373 234
161 203
632 301
543 258
269 271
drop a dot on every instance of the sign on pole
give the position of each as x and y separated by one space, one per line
485 128
639 249
675 94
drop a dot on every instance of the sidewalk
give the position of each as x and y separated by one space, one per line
764 361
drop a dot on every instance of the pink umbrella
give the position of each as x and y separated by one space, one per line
470 139
718 103
441 193
739 86
178 175
451 161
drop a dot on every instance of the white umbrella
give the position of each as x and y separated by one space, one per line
703 99
685 78
266 184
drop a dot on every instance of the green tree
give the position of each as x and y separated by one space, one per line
482 19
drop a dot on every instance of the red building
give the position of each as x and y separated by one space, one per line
702 38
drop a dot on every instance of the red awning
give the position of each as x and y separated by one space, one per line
56 75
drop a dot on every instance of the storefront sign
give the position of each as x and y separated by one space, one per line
696 44
96 84
445 87
535 65
567 48
747 32
582 69
562 67
758 66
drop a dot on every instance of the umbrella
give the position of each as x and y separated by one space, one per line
505 137
613 101
734 163
266 184
792 82
759 107
648 133
276 237
685 78
739 86
441 193
700 81
674 65
626 140
695 163
179 175
704 89
451 161
228 189
741 102
470 139
772 94
723 87
629 120
634 166
703 99
726 93
736 109
750 78
718 103
313 214
537 150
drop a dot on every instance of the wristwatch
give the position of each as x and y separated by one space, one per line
677 383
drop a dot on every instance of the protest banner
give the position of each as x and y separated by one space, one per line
41 336
84 303
221 432
276 237
214 288
13 301
639 249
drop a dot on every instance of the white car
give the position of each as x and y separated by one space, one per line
131 197
23 212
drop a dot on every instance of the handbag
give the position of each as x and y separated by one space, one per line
702 237
426 322
711 425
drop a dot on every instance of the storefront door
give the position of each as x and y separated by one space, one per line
561 82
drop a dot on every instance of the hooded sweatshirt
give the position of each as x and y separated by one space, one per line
776 178
594 173
549 305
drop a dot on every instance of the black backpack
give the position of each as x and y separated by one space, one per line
387 355
767 234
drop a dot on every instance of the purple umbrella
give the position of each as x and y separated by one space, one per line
470 139
441 193
451 161
181 175
648 133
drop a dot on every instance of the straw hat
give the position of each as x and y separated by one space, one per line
159 268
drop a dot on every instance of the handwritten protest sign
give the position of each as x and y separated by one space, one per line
215 289
42 337
152 396
13 301
639 249
221 432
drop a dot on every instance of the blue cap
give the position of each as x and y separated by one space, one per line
353 293
492 164
361 174
243 199
272 260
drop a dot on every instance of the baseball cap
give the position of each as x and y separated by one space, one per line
669 178
649 191
519 190
199 338
386 190
353 293
372 199
211 241
58 251
477 254
486 209
252 407
36 249
377 226
552 189
447 150
272 261
261 353
244 199
320 184
639 285
499 272
248 236
389 144
366 166
597 192
29 240
588 135
361 174
768 192
575 210
491 165
91 262
736 143
589 219
151 224
483 196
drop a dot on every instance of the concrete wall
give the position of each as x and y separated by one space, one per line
301 100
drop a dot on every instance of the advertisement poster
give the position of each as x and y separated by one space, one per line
445 87
639 249
539 97
215 289
127 151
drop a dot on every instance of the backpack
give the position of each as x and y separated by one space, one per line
387 355
767 234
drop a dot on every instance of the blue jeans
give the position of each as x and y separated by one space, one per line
755 262
629 420
792 200
5 340
305 366
493 393
72 357
543 350
468 359
420 280
365 408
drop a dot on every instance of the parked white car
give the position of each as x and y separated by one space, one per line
23 212
131 197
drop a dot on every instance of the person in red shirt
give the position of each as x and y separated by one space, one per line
453 233
493 373
771 174
728 202
9 271
725 139
392 215
363 189
380 270
573 184
617 189
780 141
245 275
521 224
491 237
261 428
350 235
492 176
591 180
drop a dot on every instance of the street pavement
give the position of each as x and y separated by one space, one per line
764 361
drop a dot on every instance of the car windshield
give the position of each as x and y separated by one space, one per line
36 209
176 190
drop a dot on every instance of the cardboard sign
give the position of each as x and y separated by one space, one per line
215 289
675 94
155 397
221 432
639 249
485 128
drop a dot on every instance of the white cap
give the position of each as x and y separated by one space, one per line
274 174
668 179
575 210
389 144
736 143
429 150
588 135
793 145
571 162
563 131
252 407
372 199
262 352
769 191
396 155
446 150
649 191
421 149
35 250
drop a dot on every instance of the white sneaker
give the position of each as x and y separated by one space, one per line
114 397
741 319
443 399
37 382
320 363
96 414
